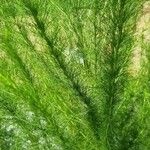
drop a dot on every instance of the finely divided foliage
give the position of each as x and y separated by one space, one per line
66 79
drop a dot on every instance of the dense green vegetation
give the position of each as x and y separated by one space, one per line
67 78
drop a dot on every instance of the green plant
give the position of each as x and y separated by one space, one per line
65 77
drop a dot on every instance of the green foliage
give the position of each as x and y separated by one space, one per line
65 79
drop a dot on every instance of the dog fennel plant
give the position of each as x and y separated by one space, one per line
65 76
